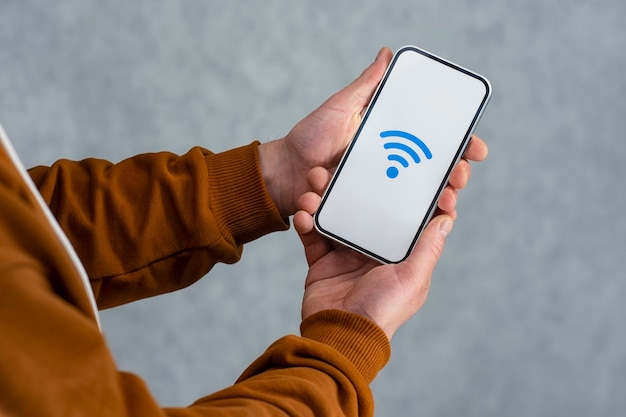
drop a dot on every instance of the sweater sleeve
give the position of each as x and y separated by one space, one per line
325 372
55 361
155 223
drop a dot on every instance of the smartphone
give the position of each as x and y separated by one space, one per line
414 131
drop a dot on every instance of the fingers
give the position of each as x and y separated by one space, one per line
309 202
460 175
476 150
315 245
303 219
447 201
303 223
429 247
318 179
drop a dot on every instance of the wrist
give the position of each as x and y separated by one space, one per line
239 200
360 340
277 174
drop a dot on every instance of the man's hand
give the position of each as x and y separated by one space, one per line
340 278
319 139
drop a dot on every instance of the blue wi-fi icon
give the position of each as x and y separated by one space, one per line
392 171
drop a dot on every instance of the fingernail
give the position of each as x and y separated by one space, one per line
445 227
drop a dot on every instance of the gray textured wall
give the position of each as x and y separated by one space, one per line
527 308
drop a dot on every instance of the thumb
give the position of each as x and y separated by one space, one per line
430 246
360 91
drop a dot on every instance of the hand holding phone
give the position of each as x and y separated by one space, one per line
414 131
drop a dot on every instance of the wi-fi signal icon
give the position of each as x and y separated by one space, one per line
393 171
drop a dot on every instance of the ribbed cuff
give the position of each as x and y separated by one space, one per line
360 340
239 196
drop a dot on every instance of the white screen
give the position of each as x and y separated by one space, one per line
382 192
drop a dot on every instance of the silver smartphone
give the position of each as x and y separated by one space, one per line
413 133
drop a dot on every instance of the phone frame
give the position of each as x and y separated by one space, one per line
461 148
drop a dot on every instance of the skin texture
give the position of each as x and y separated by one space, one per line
297 169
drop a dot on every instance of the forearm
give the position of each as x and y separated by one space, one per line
155 223
51 338
325 372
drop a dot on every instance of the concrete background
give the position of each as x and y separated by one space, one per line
527 308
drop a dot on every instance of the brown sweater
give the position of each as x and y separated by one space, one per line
149 225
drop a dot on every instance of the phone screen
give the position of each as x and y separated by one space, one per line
413 133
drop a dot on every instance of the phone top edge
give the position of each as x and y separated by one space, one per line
474 74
